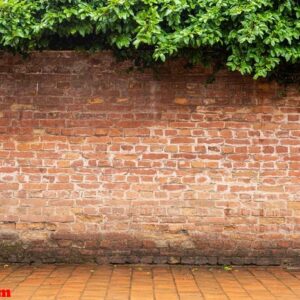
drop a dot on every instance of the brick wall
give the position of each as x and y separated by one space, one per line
101 164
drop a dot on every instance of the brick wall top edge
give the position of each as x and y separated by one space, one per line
108 54
190 83
59 54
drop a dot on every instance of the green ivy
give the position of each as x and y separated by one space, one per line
253 37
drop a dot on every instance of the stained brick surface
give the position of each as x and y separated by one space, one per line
101 164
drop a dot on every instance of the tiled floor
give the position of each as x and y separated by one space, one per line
91 282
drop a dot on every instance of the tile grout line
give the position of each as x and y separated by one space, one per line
174 281
130 282
59 290
109 281
262 283
252 275
196 282
42 283
11 271
242 286
282 283
220 285
22 280
153 283
81 294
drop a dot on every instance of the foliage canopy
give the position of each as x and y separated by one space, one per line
252 36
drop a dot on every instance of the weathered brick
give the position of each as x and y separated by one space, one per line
271 189
294 205
271 220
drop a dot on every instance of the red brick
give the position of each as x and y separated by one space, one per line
282 149
60 186
34 186
8 186
211 124
182 140
130 124
236 189
173 187
182 124
238 157
4 170
292 158
155 156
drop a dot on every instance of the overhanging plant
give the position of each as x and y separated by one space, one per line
255 37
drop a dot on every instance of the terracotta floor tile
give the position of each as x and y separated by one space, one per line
93 282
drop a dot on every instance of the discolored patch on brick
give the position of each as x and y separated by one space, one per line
96 101
19 106
181 101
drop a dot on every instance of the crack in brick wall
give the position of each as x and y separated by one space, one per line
101 164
